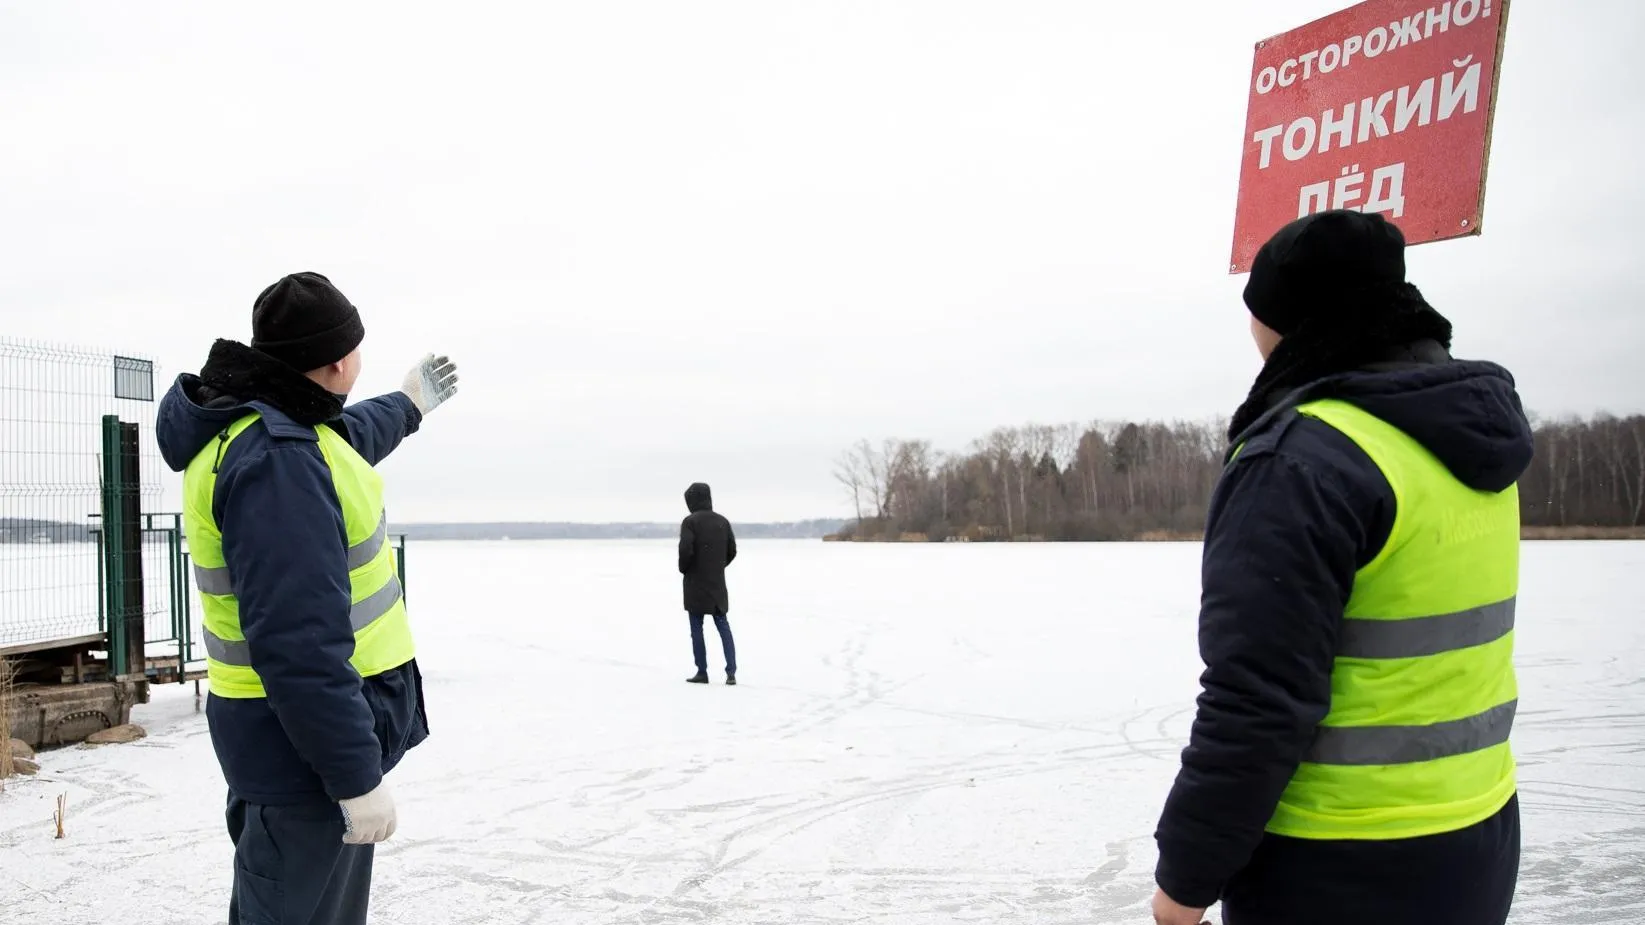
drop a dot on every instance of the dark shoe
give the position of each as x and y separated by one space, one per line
700 677
731 679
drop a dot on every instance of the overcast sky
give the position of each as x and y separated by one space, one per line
671 241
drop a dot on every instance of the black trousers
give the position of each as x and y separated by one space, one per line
1466 877
292 868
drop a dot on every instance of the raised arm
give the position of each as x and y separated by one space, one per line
376 426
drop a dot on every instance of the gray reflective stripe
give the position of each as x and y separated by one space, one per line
216 580
368 548
1422 636
229 652
376 605
212 580
362 615
1373 745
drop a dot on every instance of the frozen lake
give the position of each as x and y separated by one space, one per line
922 734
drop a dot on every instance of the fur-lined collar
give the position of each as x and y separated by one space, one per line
240 372
1335 345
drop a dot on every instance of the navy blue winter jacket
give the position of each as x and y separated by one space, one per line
323 733
1294 516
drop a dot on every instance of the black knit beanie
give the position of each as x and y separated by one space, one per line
305 323
1329 262
1333 286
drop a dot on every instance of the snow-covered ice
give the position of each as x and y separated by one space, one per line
922 734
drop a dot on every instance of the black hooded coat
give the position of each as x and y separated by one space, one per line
707 546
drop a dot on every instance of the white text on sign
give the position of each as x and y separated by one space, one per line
1373 44
1307 135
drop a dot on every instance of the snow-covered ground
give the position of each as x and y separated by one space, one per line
923 734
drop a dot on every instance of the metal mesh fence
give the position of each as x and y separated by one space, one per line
170 623
52 400
158 590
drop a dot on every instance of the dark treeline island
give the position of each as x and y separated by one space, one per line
1153 480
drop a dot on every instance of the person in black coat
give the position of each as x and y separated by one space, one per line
707 546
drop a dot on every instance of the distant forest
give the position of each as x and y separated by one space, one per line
1153 480
1097 481
18 530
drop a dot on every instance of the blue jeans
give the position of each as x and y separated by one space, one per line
699 649
292 868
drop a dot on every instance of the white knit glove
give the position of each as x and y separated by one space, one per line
431 382
368 819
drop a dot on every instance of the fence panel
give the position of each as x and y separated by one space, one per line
52 400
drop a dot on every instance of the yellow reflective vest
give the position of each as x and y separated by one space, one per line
1423 691
382 633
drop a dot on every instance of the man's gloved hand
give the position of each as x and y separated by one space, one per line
368 819
431 382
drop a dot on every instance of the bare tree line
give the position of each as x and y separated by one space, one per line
1127 480
1588 472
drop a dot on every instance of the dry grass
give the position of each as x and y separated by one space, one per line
1194 536
1170 536
1528 533
1582 533
5 722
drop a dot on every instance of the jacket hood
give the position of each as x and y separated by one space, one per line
698 498
1466 412
235 381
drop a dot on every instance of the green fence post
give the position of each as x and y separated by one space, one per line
400 563
114 560
188 606
131 506
102 585
179 629
123 548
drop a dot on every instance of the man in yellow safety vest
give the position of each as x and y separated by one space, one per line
1349 762
315 690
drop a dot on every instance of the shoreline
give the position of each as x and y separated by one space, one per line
1532 534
